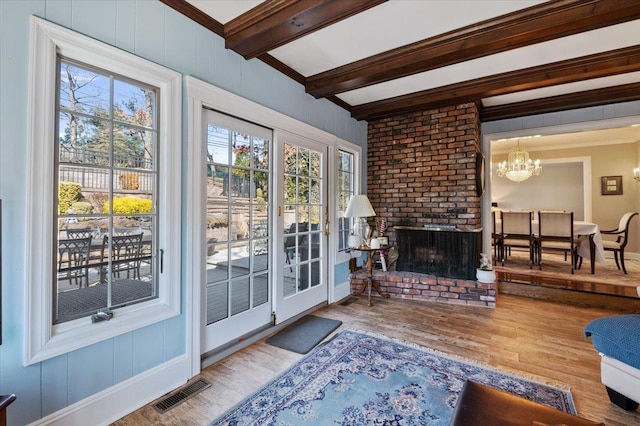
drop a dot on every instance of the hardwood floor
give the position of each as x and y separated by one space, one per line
540 338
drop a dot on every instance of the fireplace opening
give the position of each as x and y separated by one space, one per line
443 251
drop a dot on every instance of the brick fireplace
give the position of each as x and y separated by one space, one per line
421 172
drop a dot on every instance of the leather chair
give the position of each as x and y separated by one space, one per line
617 246
482 405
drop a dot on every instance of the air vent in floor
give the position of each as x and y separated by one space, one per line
179 396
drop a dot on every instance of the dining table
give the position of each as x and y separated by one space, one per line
589 240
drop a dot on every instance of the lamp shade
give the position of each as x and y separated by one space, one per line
359 206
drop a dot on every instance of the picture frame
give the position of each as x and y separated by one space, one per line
611 185
384 241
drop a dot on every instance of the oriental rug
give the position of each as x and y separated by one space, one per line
363 379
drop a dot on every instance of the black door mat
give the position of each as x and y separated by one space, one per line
304 334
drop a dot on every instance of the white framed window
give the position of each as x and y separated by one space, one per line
347 167
104 192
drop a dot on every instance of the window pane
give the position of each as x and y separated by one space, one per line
260 154
346 183
133 104
260 289
83 90
218 145
239 296
106 189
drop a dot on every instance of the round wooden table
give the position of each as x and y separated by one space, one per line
370 282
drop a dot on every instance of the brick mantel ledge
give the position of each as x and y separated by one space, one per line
411 285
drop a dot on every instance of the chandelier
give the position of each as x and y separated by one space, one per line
519 166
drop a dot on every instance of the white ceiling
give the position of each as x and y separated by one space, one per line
400 22
397 23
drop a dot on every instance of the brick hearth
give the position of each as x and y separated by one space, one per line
421 171
409 285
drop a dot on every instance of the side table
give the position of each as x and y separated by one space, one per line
370 282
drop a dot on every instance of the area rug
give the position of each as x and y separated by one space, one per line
304 334
363 379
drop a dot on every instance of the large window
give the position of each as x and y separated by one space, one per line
106 192
103 232
346 187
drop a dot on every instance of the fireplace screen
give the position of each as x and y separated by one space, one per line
443 252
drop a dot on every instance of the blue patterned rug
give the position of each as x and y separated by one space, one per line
363 379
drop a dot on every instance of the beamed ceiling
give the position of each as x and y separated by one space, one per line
379 58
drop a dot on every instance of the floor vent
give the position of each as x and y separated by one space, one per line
181 395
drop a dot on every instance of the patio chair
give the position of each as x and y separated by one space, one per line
80 232
126 231
617 246
73 260
126 254
290 241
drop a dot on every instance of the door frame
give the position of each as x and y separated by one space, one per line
202 95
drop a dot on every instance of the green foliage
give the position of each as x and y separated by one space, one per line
82 207
68 193
129 205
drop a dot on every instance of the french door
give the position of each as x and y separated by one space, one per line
265 262
303 219
237 296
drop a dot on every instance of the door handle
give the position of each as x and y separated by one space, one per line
326 221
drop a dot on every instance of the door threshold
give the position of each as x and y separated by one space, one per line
221 352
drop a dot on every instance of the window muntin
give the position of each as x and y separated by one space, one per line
346 188
106 187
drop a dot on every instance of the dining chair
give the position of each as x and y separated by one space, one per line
496 237
126 254
622 236
516 231
555 233
73 260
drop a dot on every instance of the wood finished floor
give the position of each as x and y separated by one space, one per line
534 337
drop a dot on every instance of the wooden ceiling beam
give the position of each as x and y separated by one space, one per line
543 22
276 22
604 64
588 98
196 15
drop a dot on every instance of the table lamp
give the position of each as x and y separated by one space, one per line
360 208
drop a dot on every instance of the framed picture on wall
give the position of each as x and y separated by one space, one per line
611 185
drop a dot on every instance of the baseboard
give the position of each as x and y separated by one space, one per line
109 405
342 290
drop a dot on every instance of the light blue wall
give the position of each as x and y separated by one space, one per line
153 31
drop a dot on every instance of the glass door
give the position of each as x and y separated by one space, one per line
238 293
303 214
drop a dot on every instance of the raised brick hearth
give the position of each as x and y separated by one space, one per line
421 171
409 285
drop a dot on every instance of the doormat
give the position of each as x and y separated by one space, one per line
304 334
362 379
